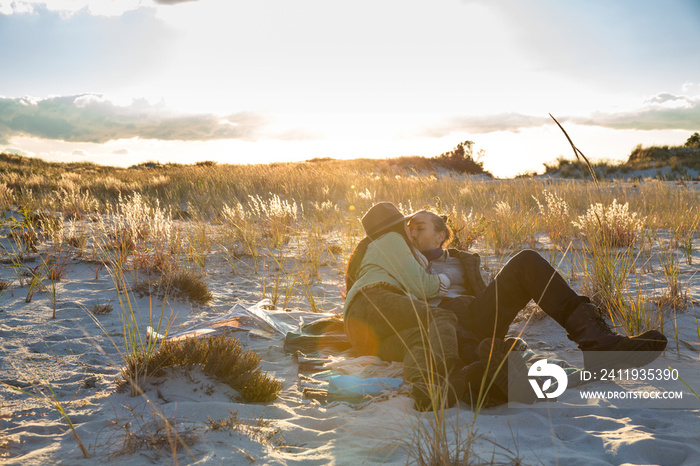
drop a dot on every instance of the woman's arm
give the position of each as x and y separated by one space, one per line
392 254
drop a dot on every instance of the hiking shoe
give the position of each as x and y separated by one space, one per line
493 355
595 337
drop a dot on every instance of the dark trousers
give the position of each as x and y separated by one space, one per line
527 276
383 321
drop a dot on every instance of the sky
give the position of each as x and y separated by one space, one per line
121 82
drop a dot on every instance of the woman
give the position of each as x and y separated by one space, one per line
489 311
386 312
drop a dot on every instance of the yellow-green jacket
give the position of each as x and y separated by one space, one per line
388 259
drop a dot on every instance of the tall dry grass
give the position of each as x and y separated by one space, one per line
255 214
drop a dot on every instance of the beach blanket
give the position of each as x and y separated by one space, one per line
329 372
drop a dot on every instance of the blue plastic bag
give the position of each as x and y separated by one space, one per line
349 385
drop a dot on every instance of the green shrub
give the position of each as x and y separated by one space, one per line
220 356
181 283
461 159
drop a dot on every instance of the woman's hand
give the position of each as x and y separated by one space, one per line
444 284
422 260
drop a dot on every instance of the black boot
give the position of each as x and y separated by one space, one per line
593 336
494 352
476 395
425 398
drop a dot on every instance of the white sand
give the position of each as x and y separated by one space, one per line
80 362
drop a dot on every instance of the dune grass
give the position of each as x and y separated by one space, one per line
283 215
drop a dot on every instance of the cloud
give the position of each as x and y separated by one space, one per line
665 97
90 118
512 122
659 112
662 111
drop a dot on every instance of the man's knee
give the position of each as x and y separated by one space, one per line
443 316
527 257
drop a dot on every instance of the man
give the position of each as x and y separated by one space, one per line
485 312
